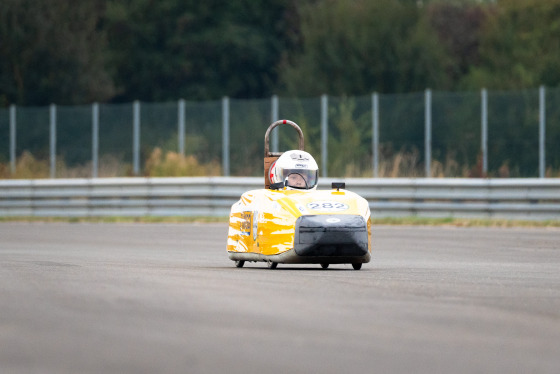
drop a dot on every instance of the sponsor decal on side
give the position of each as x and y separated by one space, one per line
255 224
247 223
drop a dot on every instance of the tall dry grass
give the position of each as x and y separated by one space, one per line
170 164
408 164
404 164
27 167
173 164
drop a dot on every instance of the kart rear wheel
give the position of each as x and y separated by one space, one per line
324 266
239 263
357 266
272 265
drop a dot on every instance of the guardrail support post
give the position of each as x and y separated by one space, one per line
52 112
225 136
181 130
136 137
94 139
428 132
484 130
324 135
542 132
13 138
375 137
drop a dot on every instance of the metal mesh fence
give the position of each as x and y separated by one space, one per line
73 141
203 123
249 121
115 140
350 136
456 134
159 128
347 149
401 135
33 131
306 112
513 133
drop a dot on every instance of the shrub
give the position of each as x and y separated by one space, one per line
27 167
177 165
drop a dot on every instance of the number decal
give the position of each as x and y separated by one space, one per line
246 223
250 224
327 206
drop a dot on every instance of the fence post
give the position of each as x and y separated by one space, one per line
136 137
225 136
94 140
542 132
484 131
53 139
428 132
375 137
324 135
181 120
274 118
13 138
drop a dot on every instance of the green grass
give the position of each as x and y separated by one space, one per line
115 219
464 222
413 221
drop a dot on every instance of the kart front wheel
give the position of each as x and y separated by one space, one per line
357 266
272 265
239 264
324 266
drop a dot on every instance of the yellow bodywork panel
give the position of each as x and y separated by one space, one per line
263 221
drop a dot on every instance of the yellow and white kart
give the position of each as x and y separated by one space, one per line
280 225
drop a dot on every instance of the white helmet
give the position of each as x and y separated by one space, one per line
297 169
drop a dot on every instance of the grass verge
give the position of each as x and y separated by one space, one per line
464 222
116 219
412 221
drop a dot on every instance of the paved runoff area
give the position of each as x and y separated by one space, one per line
165 298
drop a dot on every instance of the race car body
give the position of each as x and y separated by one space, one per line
290 221
292 226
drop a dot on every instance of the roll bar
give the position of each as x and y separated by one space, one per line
270 157
267 153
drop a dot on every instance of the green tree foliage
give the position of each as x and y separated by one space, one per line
123 50
52 51
519 50
458 25
520 46
356 47
167 49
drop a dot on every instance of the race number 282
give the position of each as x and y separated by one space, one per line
330 206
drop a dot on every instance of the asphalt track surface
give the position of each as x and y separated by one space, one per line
164 298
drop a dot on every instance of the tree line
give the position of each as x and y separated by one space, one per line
122 50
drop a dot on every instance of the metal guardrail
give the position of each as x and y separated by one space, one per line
537 199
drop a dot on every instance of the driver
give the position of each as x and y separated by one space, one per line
296 169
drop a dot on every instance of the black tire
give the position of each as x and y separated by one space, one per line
324 266
357 266
272 265
239 264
